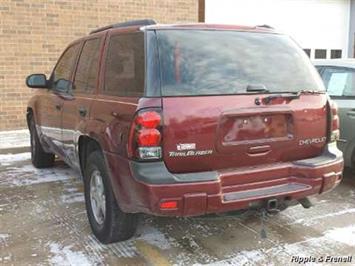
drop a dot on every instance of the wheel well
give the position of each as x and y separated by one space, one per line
86 146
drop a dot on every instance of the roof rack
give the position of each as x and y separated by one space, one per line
141 22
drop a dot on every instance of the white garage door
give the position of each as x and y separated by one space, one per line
317 25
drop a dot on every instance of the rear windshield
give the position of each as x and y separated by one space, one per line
208 62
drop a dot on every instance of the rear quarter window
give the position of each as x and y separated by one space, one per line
125 65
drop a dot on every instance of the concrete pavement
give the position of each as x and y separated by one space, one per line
43 221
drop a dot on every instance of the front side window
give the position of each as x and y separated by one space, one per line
87 70
339 81
62 73
125 64
206 62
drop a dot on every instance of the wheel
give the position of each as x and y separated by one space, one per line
108 222
40 158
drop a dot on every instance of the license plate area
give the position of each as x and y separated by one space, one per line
258 128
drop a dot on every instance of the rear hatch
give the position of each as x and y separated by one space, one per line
215 132
233 99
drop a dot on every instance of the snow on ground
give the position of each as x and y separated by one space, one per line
66 256
28 175
154 237
72 198
345 235
71 194
20 172
243 258
3 237
9 159
315 219
14 139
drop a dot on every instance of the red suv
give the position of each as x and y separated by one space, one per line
185 120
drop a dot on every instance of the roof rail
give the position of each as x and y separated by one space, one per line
264 26
141 22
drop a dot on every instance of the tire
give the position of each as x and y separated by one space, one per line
40 158
108 223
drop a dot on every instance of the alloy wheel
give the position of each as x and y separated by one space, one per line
97 197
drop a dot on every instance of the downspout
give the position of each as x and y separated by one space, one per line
351 39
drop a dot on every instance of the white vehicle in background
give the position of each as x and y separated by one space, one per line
339 78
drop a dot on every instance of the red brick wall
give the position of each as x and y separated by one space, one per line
33 33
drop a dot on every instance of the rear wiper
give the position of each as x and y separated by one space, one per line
290 96
256 88
309 92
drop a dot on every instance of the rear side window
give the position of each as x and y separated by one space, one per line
208 62
87 70
339 81
62 73
125 64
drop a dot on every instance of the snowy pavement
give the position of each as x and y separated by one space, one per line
14 139
43 222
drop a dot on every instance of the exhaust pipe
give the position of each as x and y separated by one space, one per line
306 203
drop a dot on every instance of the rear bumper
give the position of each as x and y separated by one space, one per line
146 185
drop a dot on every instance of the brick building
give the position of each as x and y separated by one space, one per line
33 33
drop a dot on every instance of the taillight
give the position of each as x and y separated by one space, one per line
145 136
334 123
148 119
148 137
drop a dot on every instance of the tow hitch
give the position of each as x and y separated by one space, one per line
272 206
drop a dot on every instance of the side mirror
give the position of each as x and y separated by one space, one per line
38 81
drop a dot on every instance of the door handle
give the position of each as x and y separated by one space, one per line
82 111
58 107
259 150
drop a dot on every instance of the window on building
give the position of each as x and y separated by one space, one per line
320 54
124 75
339 81
335 53
62 73
308 52
86 73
